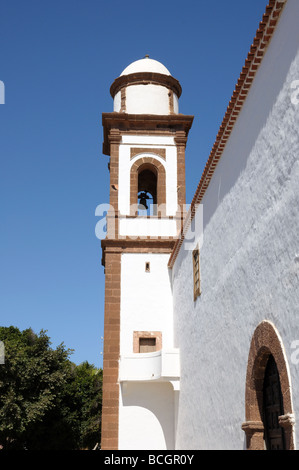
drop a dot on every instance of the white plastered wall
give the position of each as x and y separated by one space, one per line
146 298
146 409
146 416
117 102
249 257
148 99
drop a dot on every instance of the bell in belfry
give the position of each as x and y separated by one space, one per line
143 198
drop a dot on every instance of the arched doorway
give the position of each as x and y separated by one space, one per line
272 407
269 418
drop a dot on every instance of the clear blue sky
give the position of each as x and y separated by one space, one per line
58 60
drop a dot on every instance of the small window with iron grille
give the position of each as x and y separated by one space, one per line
196 274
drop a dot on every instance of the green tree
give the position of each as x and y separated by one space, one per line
46 401
86 391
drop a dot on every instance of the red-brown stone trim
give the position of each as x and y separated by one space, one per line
266 341
145 124
171 102
110 408
154 165
146 78
114 139
123 100
136 246
152 132
155 151
181 142
147 334
257 51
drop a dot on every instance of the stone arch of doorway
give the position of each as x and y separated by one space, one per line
266 341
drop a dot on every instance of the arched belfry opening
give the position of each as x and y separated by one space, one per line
147 190
148 187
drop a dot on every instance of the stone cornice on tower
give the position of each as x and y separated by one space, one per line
146 78
143 122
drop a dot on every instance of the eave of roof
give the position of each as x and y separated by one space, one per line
254 58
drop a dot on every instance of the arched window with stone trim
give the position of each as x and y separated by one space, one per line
148 187
269 414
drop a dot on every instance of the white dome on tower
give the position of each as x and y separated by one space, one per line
146 87
146 65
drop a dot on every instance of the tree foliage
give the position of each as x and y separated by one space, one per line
46 401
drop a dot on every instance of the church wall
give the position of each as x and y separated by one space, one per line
147 227
147 409
249 258
146 298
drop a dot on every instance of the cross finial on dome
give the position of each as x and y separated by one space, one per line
146 56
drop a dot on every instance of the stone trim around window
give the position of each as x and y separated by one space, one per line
161 152
147 334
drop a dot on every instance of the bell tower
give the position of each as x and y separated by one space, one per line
145 138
